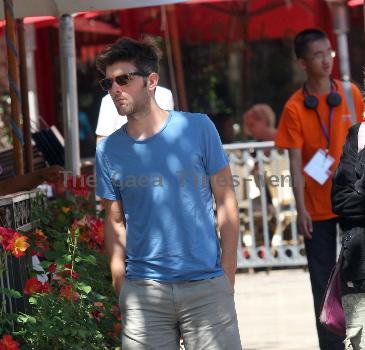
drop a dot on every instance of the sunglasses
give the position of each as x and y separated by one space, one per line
123 79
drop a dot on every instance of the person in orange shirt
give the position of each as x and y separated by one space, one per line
313 127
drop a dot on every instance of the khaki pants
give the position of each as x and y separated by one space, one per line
354 307
156 314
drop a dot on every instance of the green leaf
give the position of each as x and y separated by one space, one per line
68 257
50 255
90 259
65 259
10 293
33 301
24 318
45 264
85 288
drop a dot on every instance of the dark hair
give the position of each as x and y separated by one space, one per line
305 37
144 54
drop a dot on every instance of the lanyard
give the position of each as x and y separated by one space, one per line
326 132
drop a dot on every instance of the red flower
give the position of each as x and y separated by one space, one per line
8 343
17 245
52 267
45 288
98 312
97 231
67 271
116 312
13 241
6 234
59 279
58 186
41 241
116 329
99 305
68 293
77 186
32 285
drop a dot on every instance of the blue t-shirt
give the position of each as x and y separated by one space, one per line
163 183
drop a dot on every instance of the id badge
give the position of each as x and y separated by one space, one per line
318 168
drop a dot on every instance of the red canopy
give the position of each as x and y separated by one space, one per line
82 23
208 21
355 2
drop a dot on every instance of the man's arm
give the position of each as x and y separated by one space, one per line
348 183
304 220
99 138
115 241
228 221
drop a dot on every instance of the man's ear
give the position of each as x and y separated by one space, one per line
302 63
152 81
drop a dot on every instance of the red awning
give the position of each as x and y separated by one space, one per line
353 3
83 23
229 20
38 21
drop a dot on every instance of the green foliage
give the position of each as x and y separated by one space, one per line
207 82
76 308
57 323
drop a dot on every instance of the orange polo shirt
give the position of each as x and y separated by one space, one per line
299 127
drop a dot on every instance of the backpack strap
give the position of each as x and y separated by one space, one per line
349 99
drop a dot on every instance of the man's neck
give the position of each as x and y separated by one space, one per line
319 86
146 123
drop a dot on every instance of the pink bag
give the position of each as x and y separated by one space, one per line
332 315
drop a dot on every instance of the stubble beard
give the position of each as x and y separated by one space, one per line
127 110
137 107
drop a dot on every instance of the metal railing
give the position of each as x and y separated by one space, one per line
268 231
16 213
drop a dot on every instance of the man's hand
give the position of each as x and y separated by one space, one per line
305 223
115 241
227 218
304 220
118 281
230 271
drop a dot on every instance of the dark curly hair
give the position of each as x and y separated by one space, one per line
144 54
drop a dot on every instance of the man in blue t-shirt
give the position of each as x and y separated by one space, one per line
158 175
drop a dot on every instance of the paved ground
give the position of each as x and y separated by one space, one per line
275 310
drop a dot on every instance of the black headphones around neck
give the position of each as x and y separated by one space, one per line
333 98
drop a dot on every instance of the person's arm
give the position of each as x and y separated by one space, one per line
303 218
29 181
349 199
99 138
358 102
348 187
227 217
115 241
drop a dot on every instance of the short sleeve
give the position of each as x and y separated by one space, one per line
215 157
289 133
104 184
358 102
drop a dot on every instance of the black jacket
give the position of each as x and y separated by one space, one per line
348 201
